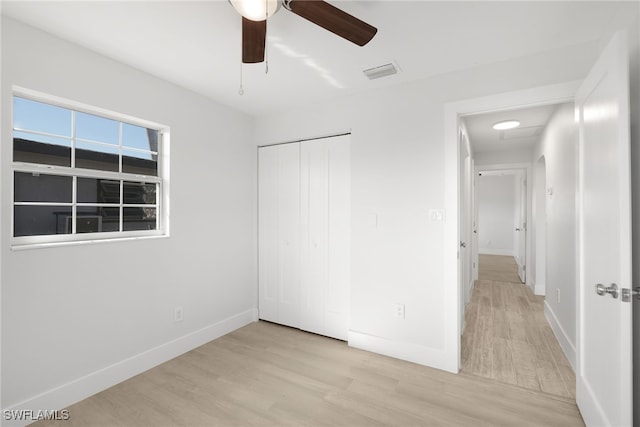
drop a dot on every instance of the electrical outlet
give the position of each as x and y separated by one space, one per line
398 310
178 314
557 296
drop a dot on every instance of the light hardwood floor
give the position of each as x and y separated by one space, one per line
266 374
498 268
507 337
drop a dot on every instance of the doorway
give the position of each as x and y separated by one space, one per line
501 211
506 335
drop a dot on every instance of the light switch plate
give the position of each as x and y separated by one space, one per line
436 215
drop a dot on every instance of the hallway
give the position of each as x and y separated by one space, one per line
506 336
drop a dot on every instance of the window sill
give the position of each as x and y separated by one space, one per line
29 246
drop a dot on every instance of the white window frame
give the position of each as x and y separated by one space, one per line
162 180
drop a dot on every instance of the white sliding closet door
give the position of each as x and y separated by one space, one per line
279 233
304 233
325 222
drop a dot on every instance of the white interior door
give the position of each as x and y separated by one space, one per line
604 359
325 216
475 245
464 225
521 224
279 234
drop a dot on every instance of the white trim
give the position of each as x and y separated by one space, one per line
96 238
503 252
81 388
83 173
422 355
59 101
161 180
545 95
567 346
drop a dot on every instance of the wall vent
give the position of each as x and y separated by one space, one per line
381 71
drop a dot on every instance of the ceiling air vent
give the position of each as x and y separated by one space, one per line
381 71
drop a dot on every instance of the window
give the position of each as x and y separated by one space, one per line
80 174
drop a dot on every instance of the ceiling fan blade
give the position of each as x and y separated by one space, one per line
333 19
254 34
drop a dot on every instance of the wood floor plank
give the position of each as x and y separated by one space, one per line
503 368
525 368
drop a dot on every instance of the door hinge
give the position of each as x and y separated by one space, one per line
627 293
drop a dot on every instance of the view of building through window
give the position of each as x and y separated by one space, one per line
77 173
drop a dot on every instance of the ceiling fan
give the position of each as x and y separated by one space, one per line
256 12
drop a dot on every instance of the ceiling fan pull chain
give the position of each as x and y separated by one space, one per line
241 90
266 45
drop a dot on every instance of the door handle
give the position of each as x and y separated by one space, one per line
463 244
603 290
517 229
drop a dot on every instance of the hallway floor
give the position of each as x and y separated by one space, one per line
507 337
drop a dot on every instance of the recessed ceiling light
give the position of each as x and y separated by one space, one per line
506 124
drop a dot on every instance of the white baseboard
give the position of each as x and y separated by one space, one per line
565 343
81 388
540 289
422 355
503 252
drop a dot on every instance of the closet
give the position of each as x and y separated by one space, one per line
304 233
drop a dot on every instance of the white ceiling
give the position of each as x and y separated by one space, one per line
196 44
483 138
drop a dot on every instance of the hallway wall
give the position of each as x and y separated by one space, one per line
558 145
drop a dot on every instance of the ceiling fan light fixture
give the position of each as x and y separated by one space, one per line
256 10
506 124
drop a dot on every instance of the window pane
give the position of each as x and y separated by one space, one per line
45 150
41 220
139 163
139 137
31 187
36 116
139 219
93 190
97 219
96 156
138 193
96 128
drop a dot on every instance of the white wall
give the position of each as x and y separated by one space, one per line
559 148
84 317
502 157
496 213
538 228
398 175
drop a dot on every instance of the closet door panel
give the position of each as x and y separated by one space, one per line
268 263
325 214
339 232
289 233
279 234
315 188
